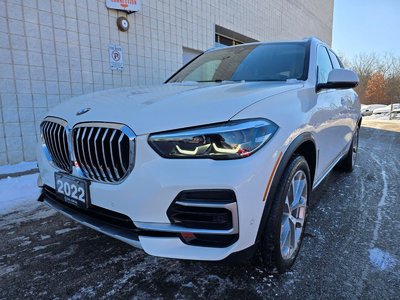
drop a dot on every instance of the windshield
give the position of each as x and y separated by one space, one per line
257 62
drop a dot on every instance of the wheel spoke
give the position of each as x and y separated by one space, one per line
294 213
287 205
301 202
290 193
285 236
299 221
301 193
293 241
300 187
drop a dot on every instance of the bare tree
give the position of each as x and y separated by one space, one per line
366 65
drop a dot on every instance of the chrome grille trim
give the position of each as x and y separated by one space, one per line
54 134
97 155
104 151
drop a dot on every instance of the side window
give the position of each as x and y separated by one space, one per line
340 63
324 65
335 61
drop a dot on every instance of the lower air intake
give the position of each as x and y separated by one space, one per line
209 209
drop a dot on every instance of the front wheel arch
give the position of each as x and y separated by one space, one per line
300 145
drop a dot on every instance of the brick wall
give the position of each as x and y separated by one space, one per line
53 50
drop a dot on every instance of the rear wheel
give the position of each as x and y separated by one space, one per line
283 234
349 161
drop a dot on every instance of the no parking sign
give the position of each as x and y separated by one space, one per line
116 60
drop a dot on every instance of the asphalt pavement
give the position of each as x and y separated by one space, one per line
351 249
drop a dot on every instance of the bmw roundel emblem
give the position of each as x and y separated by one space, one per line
83 111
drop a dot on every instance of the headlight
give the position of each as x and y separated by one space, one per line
231 140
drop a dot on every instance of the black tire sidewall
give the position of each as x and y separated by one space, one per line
271 251
357 137
346 164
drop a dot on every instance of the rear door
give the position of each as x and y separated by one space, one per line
350 111
328 119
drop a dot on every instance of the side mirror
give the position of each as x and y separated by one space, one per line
339 79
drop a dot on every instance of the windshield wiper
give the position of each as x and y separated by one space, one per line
218 80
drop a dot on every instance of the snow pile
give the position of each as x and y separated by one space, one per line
20 167
377 117
380 111
381 259
18 191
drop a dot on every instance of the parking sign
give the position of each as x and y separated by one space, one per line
116 59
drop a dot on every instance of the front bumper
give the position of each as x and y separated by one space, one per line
147 193
119 229
122 228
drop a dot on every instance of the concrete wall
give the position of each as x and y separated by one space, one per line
53 50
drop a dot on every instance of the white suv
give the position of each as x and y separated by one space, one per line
217 162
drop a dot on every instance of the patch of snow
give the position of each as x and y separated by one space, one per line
18 191
381 259
18 201
8 269
377 117
188 285
20 167
120 282
25 243
84 291
69 251
38 248
65 230
37 211
87 292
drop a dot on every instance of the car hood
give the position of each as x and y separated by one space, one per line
168 106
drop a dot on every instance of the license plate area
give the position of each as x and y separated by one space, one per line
72 190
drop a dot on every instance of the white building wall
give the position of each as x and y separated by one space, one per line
52 50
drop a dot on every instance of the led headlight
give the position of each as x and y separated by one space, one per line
231 140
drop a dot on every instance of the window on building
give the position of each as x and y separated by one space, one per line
221 40
226 37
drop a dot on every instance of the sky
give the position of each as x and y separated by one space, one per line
365 26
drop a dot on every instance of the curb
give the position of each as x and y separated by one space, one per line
17 174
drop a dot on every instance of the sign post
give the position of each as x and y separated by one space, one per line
116 59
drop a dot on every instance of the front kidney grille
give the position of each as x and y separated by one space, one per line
103 152
55 138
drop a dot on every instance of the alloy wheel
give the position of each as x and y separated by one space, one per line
294 214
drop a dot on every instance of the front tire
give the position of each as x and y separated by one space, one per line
283 234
